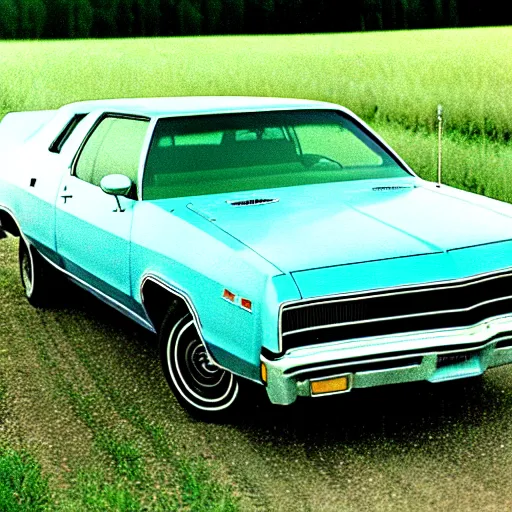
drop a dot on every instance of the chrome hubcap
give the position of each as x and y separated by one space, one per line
198 380
199 366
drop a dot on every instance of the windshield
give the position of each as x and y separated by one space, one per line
221 153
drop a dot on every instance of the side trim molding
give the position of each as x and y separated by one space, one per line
103 297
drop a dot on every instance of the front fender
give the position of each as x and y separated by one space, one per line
201 261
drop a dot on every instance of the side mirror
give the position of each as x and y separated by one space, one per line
116 185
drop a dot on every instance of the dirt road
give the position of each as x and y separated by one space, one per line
82 376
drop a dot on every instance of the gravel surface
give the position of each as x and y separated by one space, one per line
411 447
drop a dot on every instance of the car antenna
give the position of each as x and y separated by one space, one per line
439 143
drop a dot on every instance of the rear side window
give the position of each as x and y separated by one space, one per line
58 143
113 148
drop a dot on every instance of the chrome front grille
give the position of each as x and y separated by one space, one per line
431 306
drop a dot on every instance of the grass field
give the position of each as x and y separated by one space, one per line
483 167
393 80
118 441
394 76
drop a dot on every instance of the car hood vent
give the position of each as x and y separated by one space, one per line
252 202
396 187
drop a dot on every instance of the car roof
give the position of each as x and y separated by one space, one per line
193 105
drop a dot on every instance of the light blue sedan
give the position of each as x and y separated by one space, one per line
268 240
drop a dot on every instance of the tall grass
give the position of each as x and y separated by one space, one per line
385 76
483 167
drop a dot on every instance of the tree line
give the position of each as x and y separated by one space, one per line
57 19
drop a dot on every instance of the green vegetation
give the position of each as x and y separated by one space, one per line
92 492
88 444
22 488
129 18
392 80
394 76
124 484
481 167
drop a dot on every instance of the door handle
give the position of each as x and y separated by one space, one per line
66 197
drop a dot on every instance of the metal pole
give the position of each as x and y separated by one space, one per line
439 143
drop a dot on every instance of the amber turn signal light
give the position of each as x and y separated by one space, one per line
228 295
246 303
263 373
319 387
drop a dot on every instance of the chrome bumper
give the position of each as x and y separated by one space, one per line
431 355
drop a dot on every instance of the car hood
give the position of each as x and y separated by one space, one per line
340 224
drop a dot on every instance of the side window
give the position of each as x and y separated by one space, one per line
113 148
58 143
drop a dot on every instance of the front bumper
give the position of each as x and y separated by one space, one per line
431 355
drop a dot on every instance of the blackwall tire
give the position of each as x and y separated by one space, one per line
38 278
207 392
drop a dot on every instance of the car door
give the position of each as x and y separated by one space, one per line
92 233
37 170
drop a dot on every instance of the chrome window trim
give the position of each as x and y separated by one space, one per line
105 115
364 127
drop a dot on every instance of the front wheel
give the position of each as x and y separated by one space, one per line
206 391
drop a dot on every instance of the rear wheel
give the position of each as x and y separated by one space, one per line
204 389
38 278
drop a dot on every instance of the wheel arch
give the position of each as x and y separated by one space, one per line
158 298
9 223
